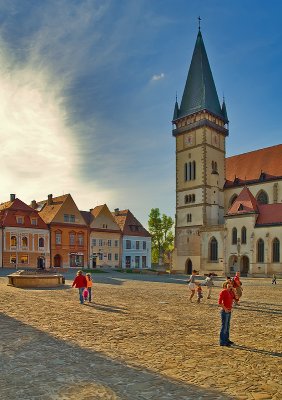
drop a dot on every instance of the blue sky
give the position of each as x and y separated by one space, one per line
88 90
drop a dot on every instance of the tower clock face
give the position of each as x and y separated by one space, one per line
188 140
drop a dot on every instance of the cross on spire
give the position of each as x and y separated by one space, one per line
199 18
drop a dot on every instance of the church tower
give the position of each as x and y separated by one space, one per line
200 126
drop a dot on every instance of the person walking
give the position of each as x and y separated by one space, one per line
89 286
273 279
80 283
209 284
225 301
192 283
237 284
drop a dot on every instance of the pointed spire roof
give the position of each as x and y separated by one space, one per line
224 112
200 91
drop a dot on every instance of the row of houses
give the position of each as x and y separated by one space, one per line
55 233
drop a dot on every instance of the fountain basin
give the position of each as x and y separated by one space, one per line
31 279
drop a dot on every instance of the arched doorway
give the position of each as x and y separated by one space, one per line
245 264
188 267
40 262
57 261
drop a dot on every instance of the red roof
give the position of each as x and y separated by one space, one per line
245 203
270 214
249 166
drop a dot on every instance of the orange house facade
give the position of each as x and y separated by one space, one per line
24 236
68 231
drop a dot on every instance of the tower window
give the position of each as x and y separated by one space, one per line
190 171
234 236
244 235
189 217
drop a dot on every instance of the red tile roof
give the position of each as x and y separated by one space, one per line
270 214
245 203
249 166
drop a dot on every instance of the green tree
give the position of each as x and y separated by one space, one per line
160 227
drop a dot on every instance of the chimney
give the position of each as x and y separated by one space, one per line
12 197
50 199
33 204
116 210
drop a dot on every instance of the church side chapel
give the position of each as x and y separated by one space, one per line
228 209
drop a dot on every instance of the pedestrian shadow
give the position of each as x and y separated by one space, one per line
106 307
61 369
253 350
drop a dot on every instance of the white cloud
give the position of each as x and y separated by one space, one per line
158 77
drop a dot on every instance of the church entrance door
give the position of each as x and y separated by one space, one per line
188 267
245 264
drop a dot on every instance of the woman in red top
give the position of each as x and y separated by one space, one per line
226 297
80 283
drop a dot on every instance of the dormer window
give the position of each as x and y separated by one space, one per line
34 221
20 220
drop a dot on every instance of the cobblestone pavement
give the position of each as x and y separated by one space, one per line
140 340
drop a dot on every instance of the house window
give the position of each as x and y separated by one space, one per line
144 262
72 218
93 242
244 235
24 241
213 250
13 259
100 242
116 256
260 251
127 261
234 236
144 245
58 238
276 250
137 244
66 218
72 239
101 256
20 220
128 244
13 241
137 261
109 243
116 243
24 259
80 238
109 257
33 221
262 197
105 226
41 242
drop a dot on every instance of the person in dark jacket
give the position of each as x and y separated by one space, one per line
80 283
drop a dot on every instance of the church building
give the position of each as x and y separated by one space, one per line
228 209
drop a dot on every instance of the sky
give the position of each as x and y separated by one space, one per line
88 87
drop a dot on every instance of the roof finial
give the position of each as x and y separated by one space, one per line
199 18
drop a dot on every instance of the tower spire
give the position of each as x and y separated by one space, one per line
200 19
200 91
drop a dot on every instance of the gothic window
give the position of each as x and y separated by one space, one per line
13 241
260 251
193 198
24 241
189 217
234 236
190 171
214 166
213 250
243 235
276 250
233 198
186 199
194 170
186 172
262 197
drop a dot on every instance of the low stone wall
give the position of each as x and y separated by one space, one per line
35 281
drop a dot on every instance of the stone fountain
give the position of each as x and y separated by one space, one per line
36 279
